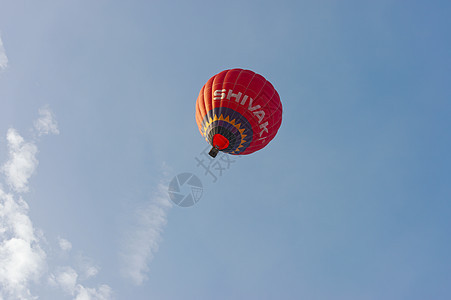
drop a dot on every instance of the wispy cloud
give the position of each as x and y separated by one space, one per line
46 123
87 267
64 244
143 238
67 279
3 57
103 292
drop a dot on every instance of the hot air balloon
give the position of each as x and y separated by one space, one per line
238 112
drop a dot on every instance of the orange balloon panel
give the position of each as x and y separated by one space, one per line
238 111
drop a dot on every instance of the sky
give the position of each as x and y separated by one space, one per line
351 200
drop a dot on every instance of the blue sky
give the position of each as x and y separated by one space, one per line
351 200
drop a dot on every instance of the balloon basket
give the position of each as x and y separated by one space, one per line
213 152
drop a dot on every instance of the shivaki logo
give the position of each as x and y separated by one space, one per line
256 110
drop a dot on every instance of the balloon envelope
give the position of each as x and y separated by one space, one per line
238 111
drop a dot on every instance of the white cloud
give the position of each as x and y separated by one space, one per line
22 161
3 57
103 292
46 124
21 257
66 278
22 260
90 271
143 238
87 267
64 244
22 155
